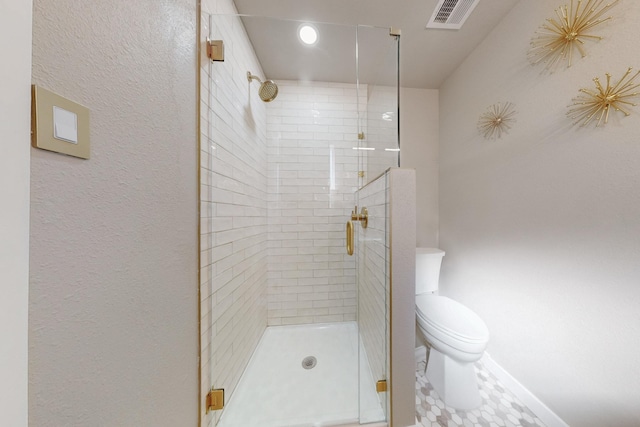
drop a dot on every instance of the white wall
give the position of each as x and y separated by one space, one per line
541 227
402 267
419 136
113 315
15 49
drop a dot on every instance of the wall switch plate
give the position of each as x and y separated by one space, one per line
65 125
58 124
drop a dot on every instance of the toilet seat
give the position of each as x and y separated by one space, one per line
451 317
451 327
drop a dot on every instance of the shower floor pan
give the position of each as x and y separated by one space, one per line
281 388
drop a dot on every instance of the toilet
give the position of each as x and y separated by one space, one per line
456 336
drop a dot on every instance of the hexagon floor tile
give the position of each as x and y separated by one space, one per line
499 408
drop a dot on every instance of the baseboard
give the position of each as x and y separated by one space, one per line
421 353
542 411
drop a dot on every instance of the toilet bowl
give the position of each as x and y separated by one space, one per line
455 335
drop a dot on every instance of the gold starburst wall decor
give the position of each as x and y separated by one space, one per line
591 105
497 120
556 40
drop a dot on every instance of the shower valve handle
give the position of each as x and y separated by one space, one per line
363 216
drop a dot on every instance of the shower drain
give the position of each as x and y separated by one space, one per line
309 362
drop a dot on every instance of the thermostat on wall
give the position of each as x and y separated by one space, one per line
59 124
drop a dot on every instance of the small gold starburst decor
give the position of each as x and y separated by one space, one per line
497 120
556 40
595 105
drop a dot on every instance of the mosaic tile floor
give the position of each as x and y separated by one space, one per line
500 408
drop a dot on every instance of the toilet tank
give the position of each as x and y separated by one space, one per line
428 262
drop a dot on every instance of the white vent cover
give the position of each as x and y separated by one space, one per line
451 14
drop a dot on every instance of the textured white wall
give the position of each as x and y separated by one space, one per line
541 228
15 49
113 305
419 136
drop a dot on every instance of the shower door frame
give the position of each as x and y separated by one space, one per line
202 60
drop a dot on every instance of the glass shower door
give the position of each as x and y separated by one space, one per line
277 185
378 150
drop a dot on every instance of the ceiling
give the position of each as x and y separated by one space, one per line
428 56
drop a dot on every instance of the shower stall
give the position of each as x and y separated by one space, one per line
294 329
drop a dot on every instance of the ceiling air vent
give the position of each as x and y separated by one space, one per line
451 14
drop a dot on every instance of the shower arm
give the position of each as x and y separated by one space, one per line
251 77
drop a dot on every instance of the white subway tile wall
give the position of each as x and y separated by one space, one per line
373 265
312 128
233 179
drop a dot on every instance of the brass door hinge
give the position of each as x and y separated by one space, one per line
381 386
360 135
215 399
215 50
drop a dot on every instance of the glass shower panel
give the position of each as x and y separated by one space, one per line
373 298
234 238
378 58
278 183
378 90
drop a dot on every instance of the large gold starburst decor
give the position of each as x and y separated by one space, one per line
592 105
556 40
497 120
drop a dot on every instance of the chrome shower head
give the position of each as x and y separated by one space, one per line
268 89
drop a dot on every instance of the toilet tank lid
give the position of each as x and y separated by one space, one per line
429 251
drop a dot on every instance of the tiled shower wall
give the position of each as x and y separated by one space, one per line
233 176
312 128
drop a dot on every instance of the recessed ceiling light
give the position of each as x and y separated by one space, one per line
308 34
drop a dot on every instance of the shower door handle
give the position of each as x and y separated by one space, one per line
350 237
